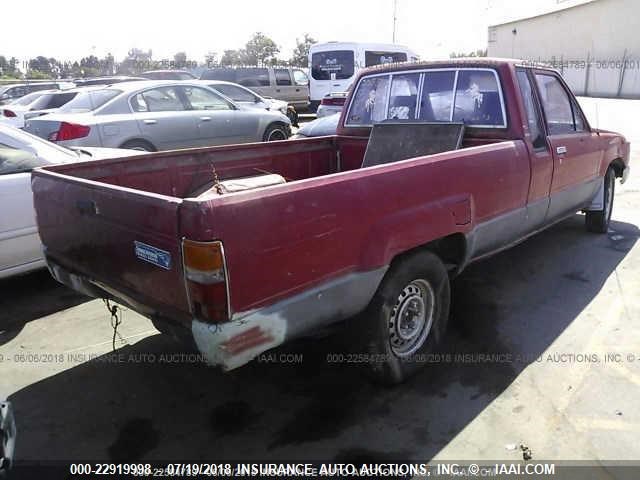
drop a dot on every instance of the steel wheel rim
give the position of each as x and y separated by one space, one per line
411 318
274 134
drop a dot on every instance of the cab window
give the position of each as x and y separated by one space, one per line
202 99
283 77
477 99
369 103
404 96
556 104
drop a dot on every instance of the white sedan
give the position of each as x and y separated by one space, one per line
20 152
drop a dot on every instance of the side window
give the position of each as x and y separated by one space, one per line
235 93
477 100
253 77
556 104
370 100
533 119
300 78
202 99
437 96
164 99
404 96
283 77
580 123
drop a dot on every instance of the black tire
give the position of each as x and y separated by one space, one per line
393 313
141 145
598 221
274 132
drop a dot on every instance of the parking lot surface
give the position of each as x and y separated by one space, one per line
543 350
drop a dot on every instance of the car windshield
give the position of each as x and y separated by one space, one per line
89 101
337 64
53 100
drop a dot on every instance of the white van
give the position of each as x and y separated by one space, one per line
333 65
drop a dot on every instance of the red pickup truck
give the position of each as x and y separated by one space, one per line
241 248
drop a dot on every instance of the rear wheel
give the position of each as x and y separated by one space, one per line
274 132
598 221
141 145
407 317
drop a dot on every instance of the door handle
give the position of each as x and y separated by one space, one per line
150 121
278 90
205 119
561 150
297 89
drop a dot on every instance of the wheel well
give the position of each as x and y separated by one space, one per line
618 166
451 249
139 140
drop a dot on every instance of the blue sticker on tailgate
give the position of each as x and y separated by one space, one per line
157 257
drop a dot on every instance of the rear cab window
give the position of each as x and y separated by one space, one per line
472 96
89 101
333 65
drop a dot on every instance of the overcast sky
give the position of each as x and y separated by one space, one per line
76 28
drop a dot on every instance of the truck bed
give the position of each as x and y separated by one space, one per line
279 240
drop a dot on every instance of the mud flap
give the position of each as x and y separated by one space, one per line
597 204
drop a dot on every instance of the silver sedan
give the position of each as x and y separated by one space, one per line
157 115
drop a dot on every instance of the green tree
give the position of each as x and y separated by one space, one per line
40 67
300 57
180 60
211 59
260 50
478 53
232 57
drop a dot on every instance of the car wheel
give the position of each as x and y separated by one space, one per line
407 317
274 133
141 145
598 221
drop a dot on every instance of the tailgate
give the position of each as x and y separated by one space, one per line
120 238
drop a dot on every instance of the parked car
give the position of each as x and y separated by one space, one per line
283 83
331 103
168 75
20 152
288 237
9 93
156 115
319 127
248 98
89 82
34 105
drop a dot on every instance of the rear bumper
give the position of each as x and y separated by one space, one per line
248 334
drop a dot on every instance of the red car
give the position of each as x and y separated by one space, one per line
242 248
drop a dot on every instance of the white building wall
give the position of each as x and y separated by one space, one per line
596 45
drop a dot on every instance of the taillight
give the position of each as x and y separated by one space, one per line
206 280
332 101
69 131
8 113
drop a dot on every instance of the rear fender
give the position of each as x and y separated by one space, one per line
417 226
